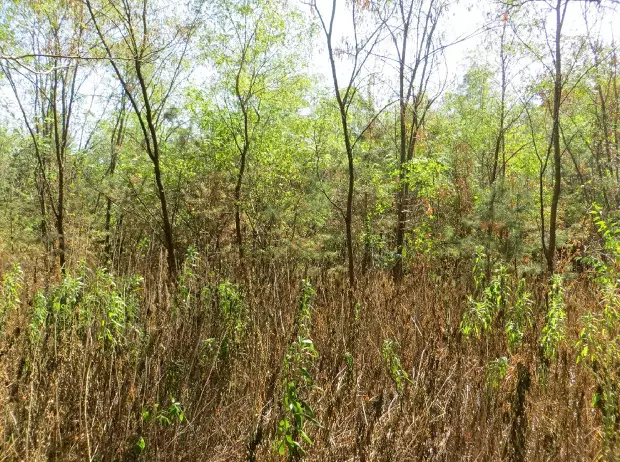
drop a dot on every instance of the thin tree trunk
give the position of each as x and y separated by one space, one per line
499 148
557 154
350 170
401 214
242 166
115 143
349 213
168 236
413 82
541 179
616 119
60 201
367 257
238 185
146 121
155 158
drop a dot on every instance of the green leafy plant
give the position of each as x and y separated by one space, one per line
188 275
519 316
496 371
499 298
482 312
11 287
234 312
140 445
96 303
64 300
172 414
478 268
599 349
297 382
38 318
107 296
389 350
114 309
599 339
232 306
554 331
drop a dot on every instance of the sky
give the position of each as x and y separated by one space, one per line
463 26
463 23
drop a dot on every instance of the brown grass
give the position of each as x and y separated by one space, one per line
73 398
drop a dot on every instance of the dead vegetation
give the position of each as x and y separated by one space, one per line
103 368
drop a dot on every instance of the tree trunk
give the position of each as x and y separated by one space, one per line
348 219
499 148
401 214
146 121
115 143
155 158
238 231
242 166
168 236
557 154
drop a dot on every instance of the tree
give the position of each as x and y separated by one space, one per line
364 42
141 60
255 45
116 142
412 26
45 84
605 146
557 97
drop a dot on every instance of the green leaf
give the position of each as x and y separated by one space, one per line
141 444
305 437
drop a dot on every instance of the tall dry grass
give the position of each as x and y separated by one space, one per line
183 376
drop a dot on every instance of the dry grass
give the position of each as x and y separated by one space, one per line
76 397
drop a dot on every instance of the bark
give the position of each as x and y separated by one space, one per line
243 154
560 11
146 120
342 107
413 83
115 143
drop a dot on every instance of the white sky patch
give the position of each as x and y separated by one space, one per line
464 28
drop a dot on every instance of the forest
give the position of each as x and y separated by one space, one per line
323 230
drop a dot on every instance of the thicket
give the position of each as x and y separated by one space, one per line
210 252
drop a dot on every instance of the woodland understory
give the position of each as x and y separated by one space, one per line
297 230
126 369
